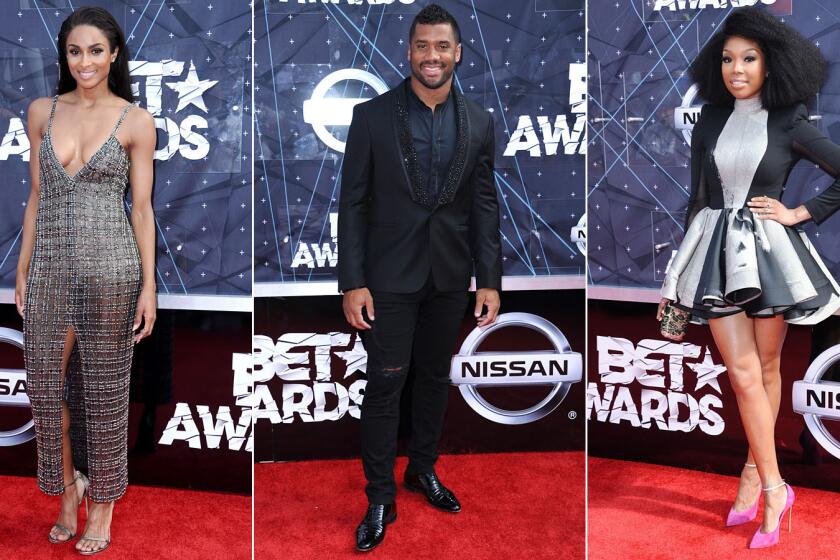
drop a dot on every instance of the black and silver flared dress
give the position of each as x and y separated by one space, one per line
729 260
85 275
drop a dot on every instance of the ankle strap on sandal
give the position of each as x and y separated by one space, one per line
76 476
779 485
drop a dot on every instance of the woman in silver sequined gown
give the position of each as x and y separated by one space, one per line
85 283
742 267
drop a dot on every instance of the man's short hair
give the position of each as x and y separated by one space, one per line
433 15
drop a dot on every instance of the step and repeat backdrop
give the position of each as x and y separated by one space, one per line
190 68
525 63
515 387
190 413
642 107
652 400
647 398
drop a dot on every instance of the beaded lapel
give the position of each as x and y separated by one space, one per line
418 184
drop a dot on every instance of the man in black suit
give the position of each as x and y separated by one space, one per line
417 215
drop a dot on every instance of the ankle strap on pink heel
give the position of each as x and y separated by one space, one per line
779 485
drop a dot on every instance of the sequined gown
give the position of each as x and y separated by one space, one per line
729 260
84 274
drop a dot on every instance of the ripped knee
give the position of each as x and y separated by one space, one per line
393 370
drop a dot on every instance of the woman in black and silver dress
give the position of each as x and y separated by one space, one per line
86 279
742 268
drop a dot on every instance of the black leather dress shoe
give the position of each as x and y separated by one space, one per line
371 531
436 493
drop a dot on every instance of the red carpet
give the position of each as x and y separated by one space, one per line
666 513
523 505
149 524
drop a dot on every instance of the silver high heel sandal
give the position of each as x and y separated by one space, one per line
106 540
70 534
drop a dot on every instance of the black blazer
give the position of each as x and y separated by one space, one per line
790 137
391 233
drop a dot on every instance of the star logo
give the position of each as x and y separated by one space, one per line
355 357
707 372
191 90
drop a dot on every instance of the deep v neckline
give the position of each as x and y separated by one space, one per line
85 165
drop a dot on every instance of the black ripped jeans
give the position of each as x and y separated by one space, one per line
417 331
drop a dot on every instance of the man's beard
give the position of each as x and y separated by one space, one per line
444 77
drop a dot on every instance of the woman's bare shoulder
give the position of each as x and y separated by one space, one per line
139 116
40 106
139 121
39 111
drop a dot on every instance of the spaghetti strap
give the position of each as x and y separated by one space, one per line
125 111
52 113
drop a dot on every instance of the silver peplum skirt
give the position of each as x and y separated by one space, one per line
730 261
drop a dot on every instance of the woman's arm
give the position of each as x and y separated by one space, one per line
808 142
698 197
36 119
141 177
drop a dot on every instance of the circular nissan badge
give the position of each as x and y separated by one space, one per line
559 368
818 400
13 392
686 115
321 111
579 234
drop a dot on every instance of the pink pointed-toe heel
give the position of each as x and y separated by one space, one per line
740 517
763 540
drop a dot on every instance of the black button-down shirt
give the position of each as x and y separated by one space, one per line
435 135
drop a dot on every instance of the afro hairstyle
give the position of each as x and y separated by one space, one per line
796 67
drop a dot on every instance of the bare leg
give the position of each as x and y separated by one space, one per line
769 336
68 516
736 341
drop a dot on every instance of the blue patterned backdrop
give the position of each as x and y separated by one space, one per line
523 61
191 69
638 158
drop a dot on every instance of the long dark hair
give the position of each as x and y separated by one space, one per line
796 67
119 81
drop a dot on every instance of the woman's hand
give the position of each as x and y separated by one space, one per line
20 294
660 311
146 314
766 208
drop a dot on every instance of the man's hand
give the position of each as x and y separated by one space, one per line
490 298
354 301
